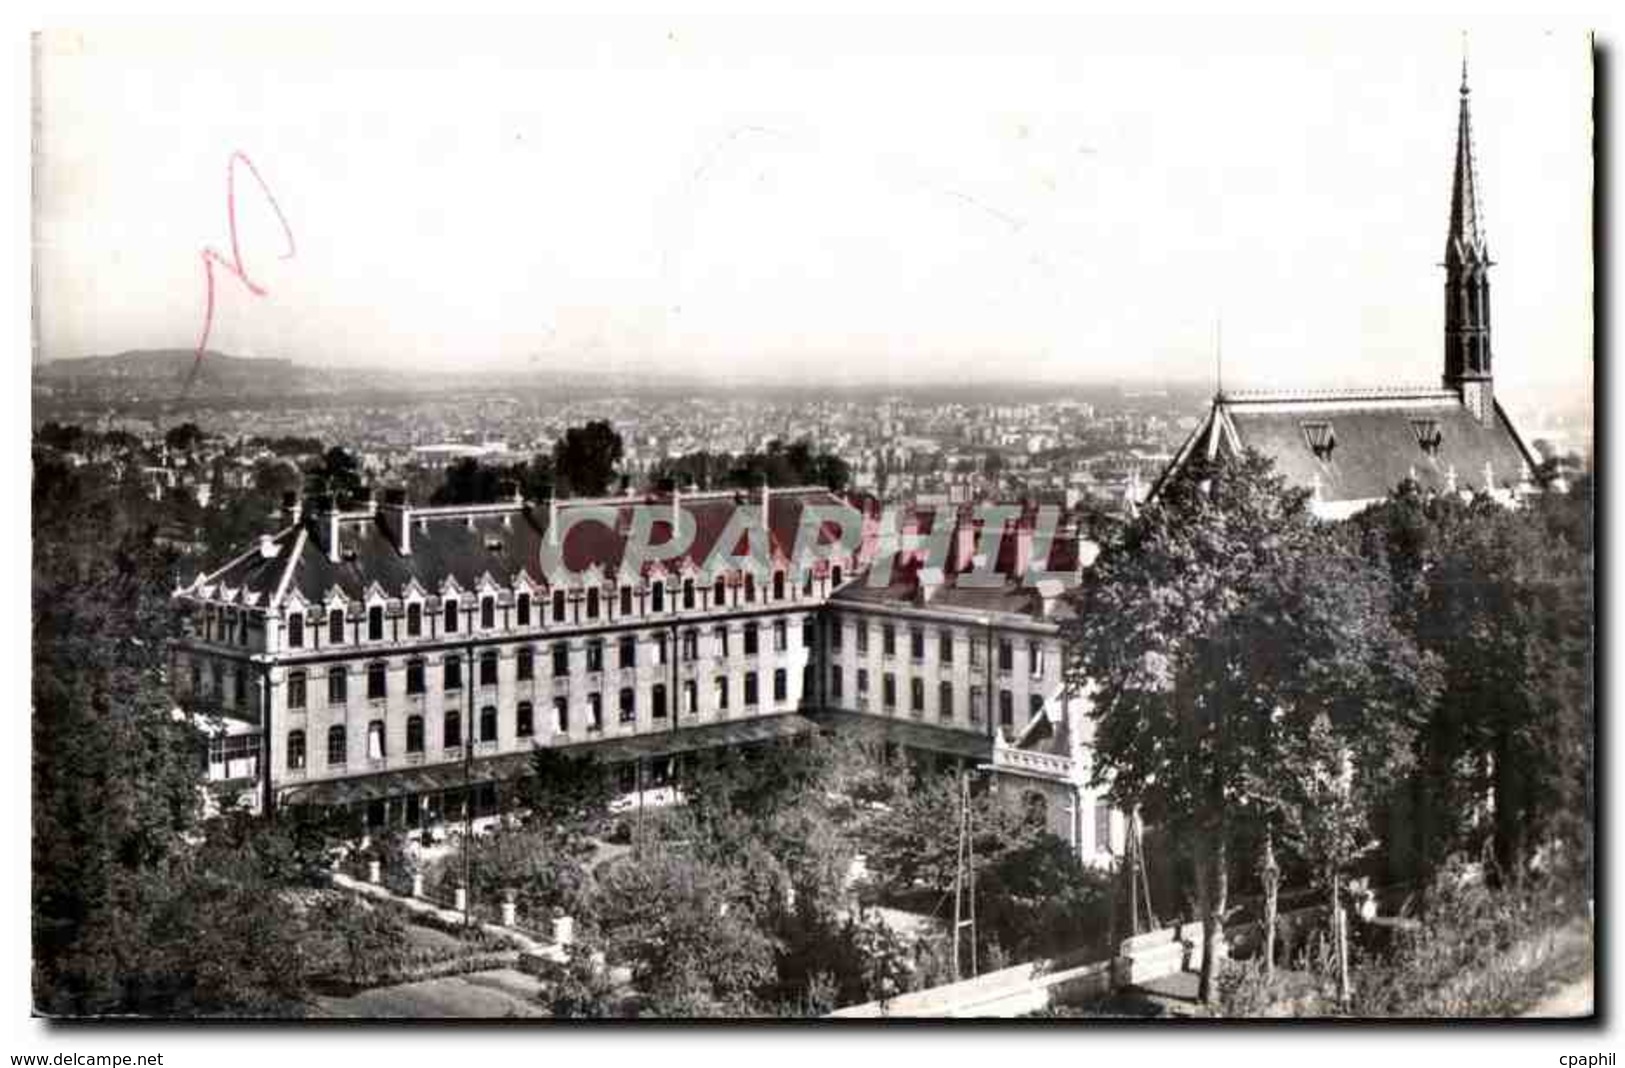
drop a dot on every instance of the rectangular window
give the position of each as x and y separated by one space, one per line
414 676
336 746
722 693
781 685
837 632
1035 707
592 603
916 643
691 644
453 674
521 610
488 724
524 667
888 690
629 650
836 678
449 624
945 647
561 715
375 623
976 704
558 606
335 626
1007 655
296 689
629 704
660 648
626 600
945 700
414 734
863 638
561 659
377 680
337 686
239 685
488 669
751 696
375 740
296 750
751 640
781 636
524 720
688 594
1006 708
595 711
807 630
863 682
722 641
657 597
1035 659
488 613
595 655
414 620
296 631
888 640
657 700
978 654
916 695
691 696
1103 827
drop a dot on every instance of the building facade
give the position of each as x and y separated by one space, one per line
403 662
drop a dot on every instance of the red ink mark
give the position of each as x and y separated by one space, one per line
235 265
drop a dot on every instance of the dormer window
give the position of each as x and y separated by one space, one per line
1427 434
1321 438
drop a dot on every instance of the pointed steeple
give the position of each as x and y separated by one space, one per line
1466 241
1467 279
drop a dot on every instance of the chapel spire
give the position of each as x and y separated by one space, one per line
1467 282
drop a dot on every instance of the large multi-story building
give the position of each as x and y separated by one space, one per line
403 662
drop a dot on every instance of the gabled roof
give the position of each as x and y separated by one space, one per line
460 547
1374 440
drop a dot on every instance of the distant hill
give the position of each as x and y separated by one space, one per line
171 365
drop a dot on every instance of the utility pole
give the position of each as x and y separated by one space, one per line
964 880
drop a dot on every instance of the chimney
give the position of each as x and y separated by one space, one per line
291 508
324 516
397 513
964 544
1022 555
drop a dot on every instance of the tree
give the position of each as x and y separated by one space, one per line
337 472
587 459
1504 599
693 947
184 438
567 799
1222 623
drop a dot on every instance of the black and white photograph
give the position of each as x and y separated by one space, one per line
836 521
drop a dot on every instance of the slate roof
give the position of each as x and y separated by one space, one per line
1376 441
465 544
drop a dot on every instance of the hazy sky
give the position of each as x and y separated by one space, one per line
823 199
